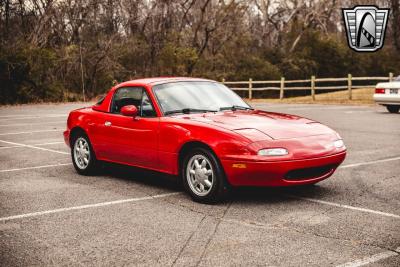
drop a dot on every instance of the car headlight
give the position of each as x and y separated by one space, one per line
338 143
273 152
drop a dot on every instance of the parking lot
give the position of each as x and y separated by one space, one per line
50 215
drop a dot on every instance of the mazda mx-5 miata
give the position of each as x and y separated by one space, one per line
202 132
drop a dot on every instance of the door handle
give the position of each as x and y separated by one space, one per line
107 123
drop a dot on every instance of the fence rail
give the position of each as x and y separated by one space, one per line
281 85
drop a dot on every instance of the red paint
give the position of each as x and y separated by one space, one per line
234 136
130 111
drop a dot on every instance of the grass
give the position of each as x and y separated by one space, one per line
361 96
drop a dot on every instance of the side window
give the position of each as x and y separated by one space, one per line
132 96
147 109
126 96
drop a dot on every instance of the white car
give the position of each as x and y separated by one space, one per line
388 95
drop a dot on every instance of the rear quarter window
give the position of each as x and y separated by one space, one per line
101 100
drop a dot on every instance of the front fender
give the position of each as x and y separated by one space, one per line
174 135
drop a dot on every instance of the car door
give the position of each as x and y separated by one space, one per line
132 141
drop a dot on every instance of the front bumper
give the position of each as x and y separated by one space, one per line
281 173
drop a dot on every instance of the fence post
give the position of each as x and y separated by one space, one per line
223 80
313 87
390 76
282 88
250 88
349 85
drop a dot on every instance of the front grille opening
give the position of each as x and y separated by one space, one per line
309 173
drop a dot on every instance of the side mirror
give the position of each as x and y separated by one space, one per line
130 111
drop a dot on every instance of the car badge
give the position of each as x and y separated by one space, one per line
365 27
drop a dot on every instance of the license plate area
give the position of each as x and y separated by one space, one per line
394 91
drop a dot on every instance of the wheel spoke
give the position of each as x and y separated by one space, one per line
197 164
86 161
192 172
203 163
208 172
207 183
201 187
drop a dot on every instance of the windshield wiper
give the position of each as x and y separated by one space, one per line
188 110
236 107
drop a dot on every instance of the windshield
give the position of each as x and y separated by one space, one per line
198 96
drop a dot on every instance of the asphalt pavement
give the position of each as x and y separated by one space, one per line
50 215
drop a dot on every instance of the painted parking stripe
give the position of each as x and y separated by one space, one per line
40 144
35 167
346 206
371 259
35 147
40 131
89 206
31 116
32 123
368 163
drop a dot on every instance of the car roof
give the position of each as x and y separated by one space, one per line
160 80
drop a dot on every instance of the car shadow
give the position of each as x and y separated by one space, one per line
279 194
248 195
141 176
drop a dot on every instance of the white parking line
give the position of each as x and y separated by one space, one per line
36 147
346 206
96 205
40 131
40 144
32 116
36 167
371 259
368 163
32 123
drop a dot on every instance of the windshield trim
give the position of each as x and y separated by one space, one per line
183 81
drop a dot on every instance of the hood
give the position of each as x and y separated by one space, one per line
260 125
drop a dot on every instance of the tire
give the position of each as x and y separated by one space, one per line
82 154
393 109
205 180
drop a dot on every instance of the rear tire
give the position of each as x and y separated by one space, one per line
203 177
83 157
393 109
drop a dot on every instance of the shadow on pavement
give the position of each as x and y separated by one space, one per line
239 194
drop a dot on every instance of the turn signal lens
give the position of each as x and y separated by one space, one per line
338 143
273 152
379 91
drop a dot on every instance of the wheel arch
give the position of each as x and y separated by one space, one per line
188 146
74 132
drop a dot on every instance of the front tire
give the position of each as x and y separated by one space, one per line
83 157
393 109
203 176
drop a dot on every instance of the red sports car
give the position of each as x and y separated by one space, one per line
204 133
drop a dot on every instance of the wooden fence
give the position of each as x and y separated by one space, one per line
282 84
